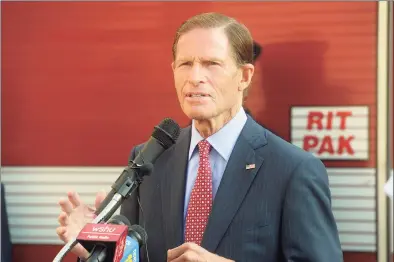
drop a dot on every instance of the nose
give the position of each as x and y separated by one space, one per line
196 75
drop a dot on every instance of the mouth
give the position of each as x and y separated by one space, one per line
196 95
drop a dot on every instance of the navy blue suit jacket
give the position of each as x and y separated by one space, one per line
278 211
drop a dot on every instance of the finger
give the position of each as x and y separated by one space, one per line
74 198
174 253
63 219
62 233
188 256
100 198
90 211
65 205
81 252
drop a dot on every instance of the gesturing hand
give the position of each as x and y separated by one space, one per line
74 216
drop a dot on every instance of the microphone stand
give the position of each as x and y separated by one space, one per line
128 181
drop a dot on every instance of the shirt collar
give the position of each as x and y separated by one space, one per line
224 140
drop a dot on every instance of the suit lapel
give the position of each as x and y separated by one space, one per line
173 190
235 183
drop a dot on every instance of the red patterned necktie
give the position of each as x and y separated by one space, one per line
200 203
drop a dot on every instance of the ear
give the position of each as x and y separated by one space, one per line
172 66
247 72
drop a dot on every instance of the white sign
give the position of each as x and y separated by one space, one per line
332 132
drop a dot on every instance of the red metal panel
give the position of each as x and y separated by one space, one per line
314 54
84 82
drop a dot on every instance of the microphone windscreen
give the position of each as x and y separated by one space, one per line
166 132
139 233
119 220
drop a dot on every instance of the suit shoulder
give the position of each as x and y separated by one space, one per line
287 162
283 152
286 148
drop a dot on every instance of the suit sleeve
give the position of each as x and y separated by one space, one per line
309 229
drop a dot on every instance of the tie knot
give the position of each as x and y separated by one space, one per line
204 147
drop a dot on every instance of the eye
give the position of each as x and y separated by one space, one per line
187 63
212 63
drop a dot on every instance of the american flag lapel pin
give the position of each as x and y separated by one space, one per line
250 166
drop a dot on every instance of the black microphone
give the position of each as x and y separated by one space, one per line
136 239
163 137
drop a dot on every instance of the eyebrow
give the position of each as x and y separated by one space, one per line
184 59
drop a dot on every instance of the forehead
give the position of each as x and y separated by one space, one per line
201 42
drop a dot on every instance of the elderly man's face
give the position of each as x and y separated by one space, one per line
207 80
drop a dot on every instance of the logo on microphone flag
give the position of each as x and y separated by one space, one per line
110 235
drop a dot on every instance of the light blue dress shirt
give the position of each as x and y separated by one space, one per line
222 143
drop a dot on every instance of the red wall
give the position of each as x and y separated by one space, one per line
83 82
81 76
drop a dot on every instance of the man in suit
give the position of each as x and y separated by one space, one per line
228 190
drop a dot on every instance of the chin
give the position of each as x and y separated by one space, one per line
199 112
199 115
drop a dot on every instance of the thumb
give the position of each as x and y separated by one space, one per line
100 198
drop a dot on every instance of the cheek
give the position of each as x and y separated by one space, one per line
217 80
179 83
225 86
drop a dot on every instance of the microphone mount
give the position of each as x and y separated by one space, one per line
128 181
